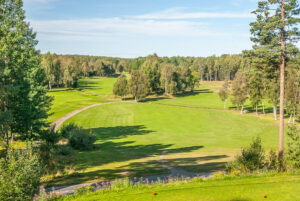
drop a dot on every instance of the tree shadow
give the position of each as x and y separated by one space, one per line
118 132
194 93
153 99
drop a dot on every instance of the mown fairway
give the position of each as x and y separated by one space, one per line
191 132
90 91
276 188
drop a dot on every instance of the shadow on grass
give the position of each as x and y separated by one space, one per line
152 168
110 153
194 93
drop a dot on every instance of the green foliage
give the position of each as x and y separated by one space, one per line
79 138
252 158
240 89
224 92
23 81
293 146
20 175
67 129
138 85
256 88
120 86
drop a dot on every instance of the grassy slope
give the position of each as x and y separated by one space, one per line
90 91
276 188
198 137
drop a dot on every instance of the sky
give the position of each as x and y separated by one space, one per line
132 28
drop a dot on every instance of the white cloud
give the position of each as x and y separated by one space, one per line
176 13
104 28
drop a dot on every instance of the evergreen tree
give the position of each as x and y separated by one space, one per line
22 78
274 33
256 88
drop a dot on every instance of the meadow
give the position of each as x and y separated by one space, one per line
190 132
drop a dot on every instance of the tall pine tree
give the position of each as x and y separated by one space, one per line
274 34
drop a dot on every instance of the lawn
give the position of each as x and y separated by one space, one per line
193 131
249 188
90 91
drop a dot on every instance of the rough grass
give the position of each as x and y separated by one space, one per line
249 188
197 134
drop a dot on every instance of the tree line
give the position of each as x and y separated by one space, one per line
65 70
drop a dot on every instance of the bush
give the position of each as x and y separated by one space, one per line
65 150
251 158
20 175
67 129
81 139
293 148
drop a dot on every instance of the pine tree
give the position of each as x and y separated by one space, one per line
25 104
256 88
274 33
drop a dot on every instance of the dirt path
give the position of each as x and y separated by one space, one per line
174 174
56 124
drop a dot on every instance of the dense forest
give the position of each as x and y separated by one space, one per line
64 70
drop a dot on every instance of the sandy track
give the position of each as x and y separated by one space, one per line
56 124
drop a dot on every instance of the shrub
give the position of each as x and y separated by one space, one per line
67 129
65 150
293 148
81 139
251 158
272 160
20 175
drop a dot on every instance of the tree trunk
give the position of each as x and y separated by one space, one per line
12 138
275 112
263 104
256 110
290 118
282 68
50 87
224 104
242 109
6 136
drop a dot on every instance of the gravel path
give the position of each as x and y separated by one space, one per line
56 124
174 174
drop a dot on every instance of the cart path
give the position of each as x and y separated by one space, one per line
56 124
175 173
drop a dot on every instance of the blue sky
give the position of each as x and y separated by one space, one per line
131 28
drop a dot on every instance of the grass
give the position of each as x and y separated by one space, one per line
247 188
90 91
193 129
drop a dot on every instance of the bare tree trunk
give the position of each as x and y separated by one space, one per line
242 109
282 68
290 118
275 112
6 134
224 104
294 116
50 87
263 104
256 110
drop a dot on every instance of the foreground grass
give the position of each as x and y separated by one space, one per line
247 188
